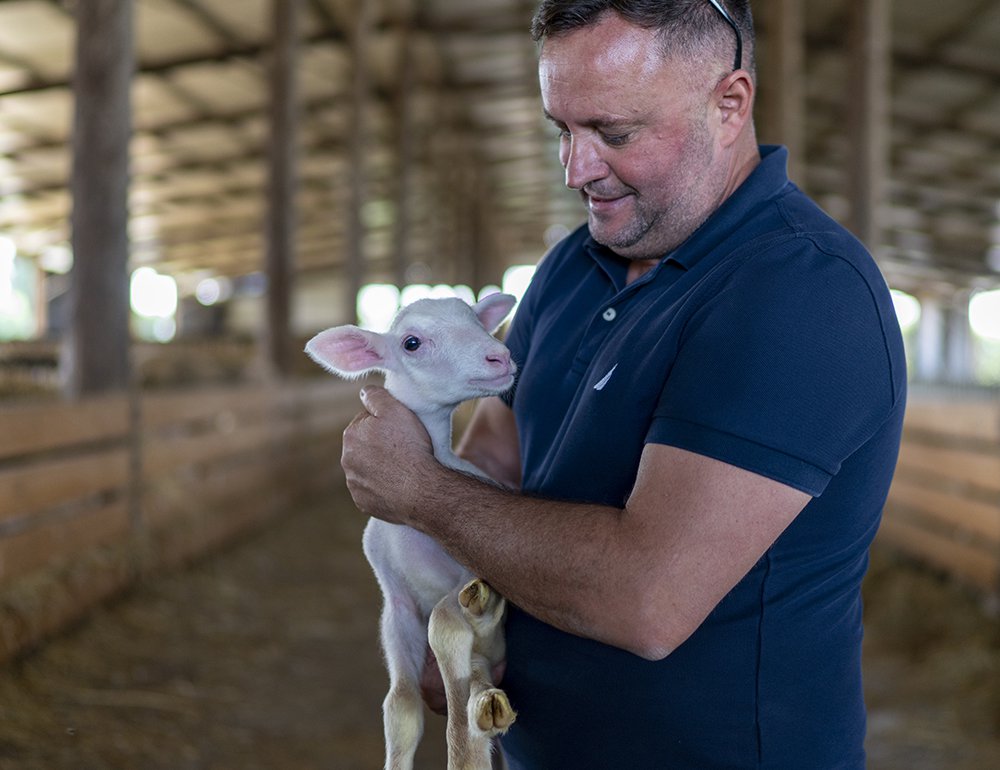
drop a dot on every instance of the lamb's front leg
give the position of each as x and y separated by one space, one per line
403 642
451 638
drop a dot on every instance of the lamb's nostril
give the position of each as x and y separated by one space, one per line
500 360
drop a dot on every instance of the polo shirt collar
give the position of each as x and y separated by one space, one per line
765 182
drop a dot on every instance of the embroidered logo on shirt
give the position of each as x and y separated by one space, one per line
604 380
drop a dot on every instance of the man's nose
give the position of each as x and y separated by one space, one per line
582 162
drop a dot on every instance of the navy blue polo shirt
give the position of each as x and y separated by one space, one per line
767 340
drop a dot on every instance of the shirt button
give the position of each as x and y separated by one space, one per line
609 314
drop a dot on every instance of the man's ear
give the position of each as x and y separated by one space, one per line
734 98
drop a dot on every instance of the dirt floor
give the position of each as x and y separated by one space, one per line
264 658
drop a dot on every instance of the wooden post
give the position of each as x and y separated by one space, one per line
785 82
283 178
405 156
96 350
355 262
451 166
450 268
467 252
487 266
868 98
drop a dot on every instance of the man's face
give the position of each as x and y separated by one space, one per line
634 136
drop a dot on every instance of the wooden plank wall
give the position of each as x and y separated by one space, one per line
98 493
944 504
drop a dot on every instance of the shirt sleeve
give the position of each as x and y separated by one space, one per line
785 372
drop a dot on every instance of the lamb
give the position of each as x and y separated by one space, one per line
436 354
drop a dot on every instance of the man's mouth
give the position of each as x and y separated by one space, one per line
599 204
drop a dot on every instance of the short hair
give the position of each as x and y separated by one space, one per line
685 27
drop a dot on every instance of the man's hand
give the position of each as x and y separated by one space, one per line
387 456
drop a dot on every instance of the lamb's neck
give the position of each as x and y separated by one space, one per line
437 421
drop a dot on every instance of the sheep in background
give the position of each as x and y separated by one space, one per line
437 354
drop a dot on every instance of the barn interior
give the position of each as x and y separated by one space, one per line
189 189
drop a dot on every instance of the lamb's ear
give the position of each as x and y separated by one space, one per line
347 350
493 308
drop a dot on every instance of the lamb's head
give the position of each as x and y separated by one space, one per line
437 353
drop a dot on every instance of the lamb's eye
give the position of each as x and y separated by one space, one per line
411 343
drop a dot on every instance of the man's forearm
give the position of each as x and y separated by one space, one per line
562 562
642 578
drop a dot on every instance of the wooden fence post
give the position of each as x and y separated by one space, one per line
96 350
785 81
406 78
282 187
360 96
869 123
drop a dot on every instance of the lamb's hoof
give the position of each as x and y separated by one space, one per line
477 597
492 712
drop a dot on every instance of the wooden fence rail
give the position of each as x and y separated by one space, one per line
944 504
97 493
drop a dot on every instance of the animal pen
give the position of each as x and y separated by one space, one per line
289 155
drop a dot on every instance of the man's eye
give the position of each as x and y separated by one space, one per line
615 140
411 343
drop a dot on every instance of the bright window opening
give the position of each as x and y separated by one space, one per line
17 294
907 310
154 301
984 314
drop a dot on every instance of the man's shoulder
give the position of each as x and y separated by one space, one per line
803 217
795 238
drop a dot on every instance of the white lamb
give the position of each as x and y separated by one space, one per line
437 354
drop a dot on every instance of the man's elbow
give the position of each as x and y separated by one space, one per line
653 647
652 653
656 634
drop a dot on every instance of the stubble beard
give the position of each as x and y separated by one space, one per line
626 237
642 237
656 229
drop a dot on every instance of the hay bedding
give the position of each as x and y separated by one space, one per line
264 657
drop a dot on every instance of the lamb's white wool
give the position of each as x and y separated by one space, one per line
437 354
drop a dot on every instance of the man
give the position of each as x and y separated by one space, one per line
702 435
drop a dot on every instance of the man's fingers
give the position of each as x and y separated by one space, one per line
363 414
374 397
